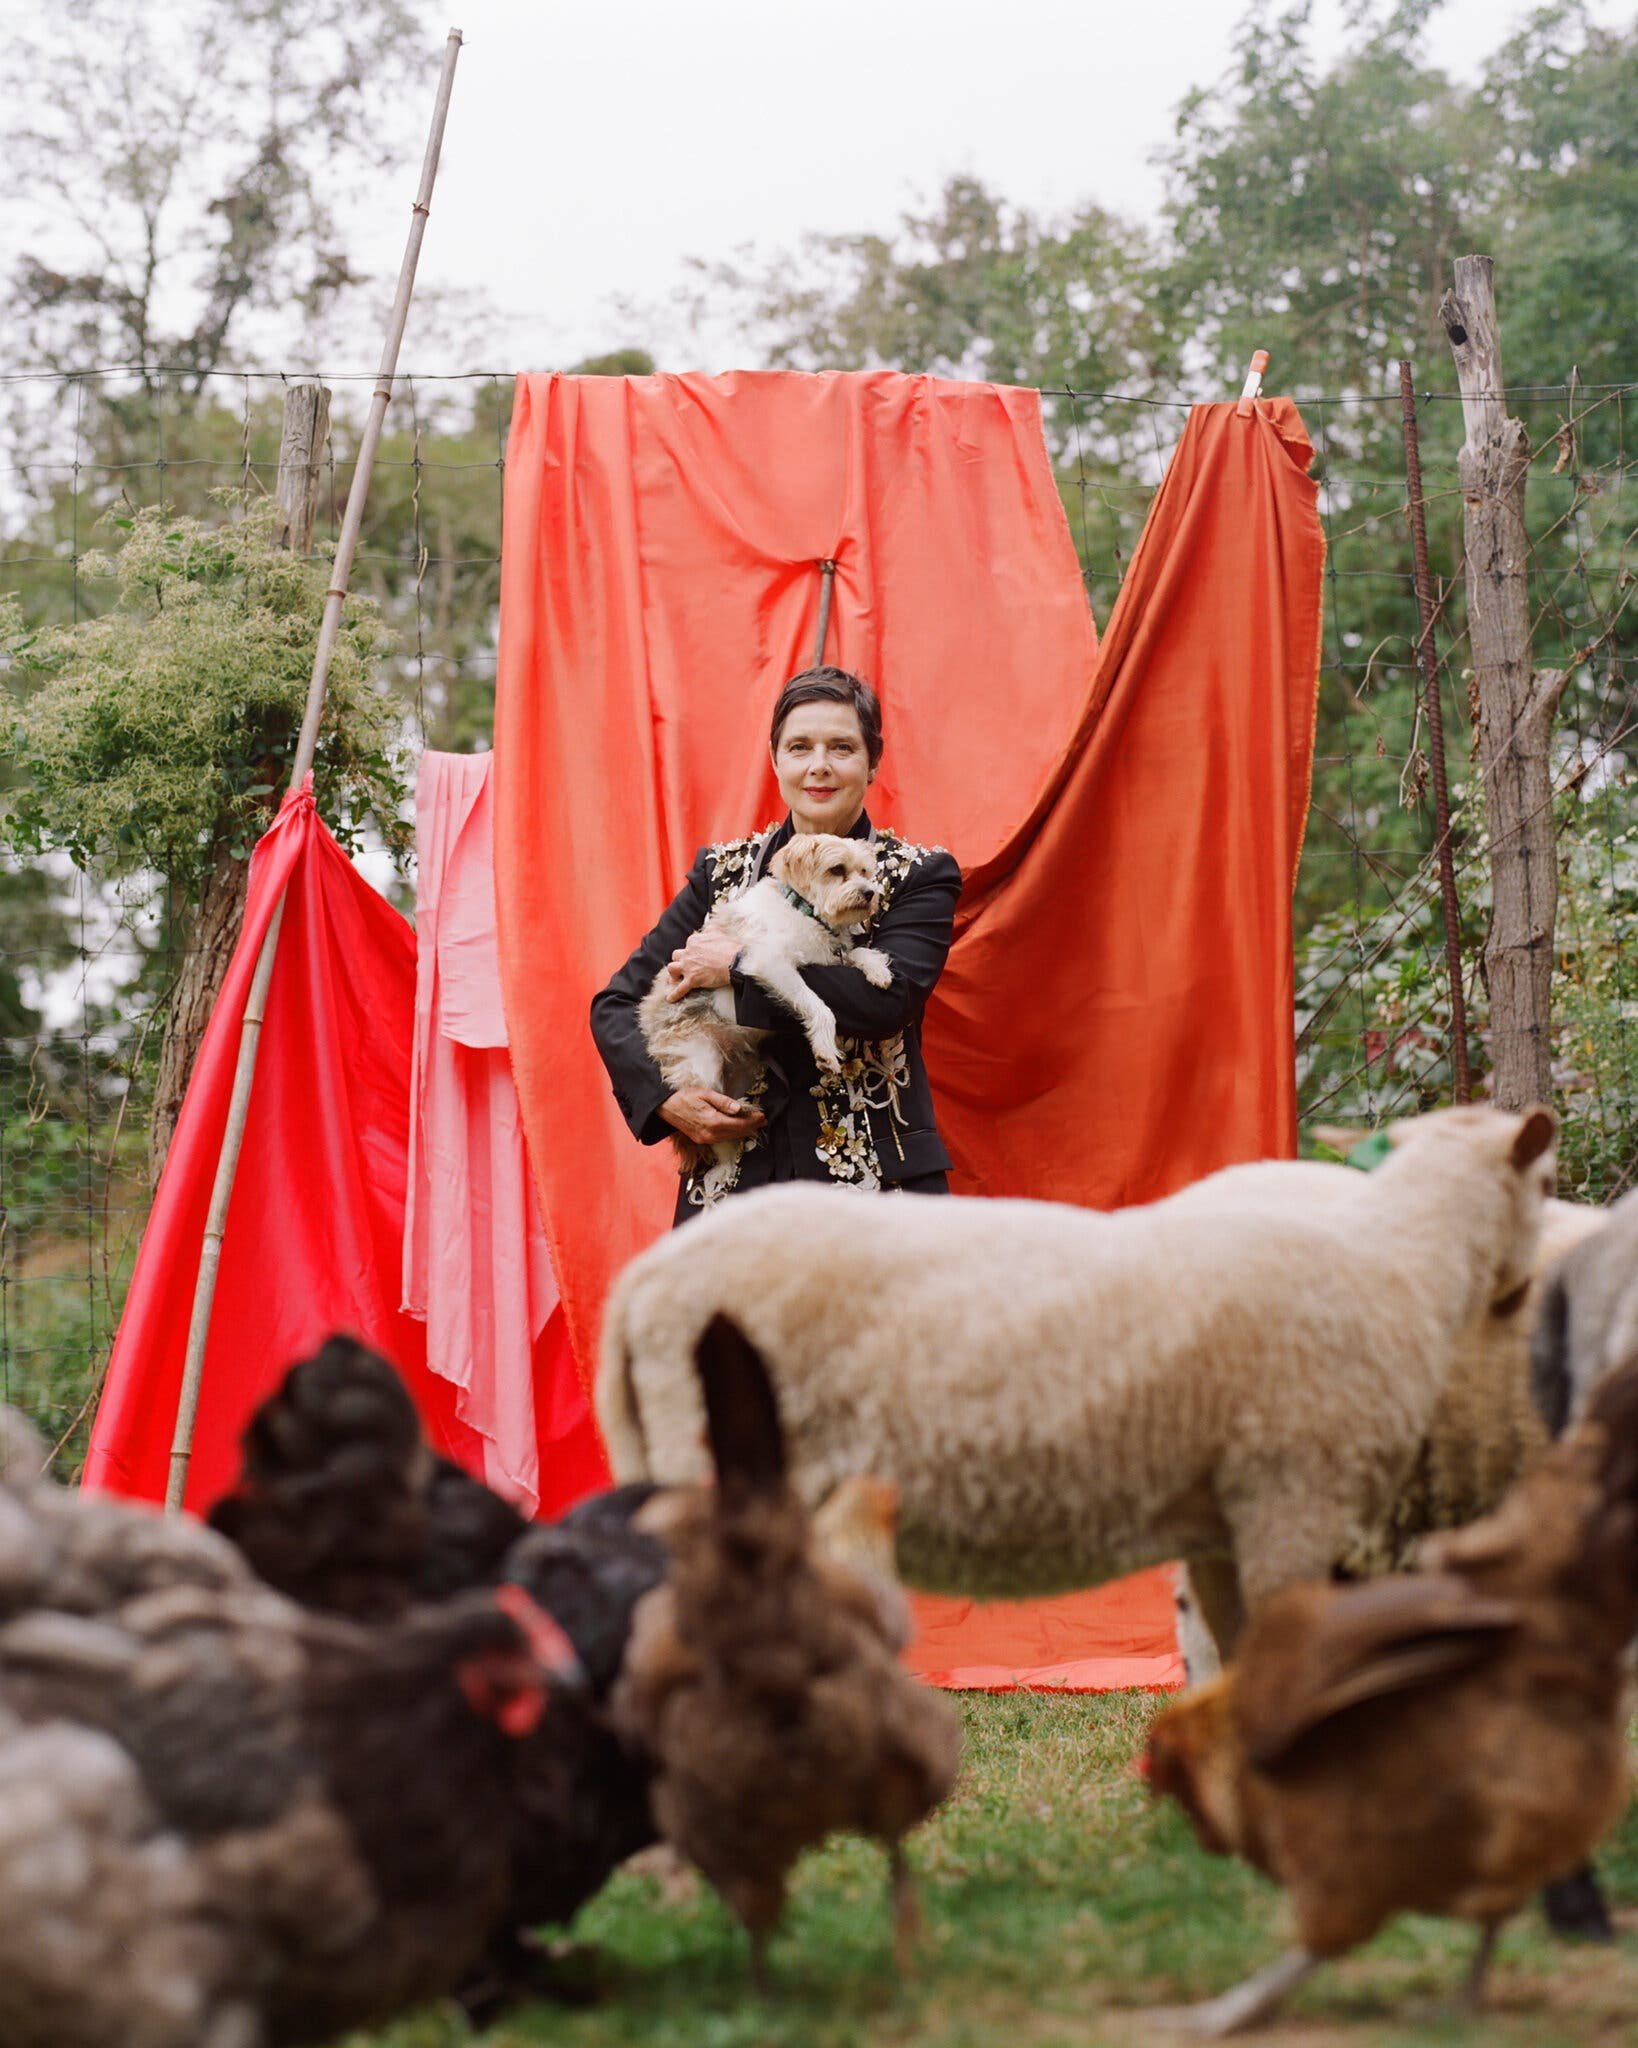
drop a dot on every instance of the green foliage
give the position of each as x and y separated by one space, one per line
1595 996
159 735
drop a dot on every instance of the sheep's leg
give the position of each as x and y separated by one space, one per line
907 1923
1213 1586
1279 1536
1576 1908
1246 2004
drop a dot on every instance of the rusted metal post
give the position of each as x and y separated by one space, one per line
1427 662
244 1073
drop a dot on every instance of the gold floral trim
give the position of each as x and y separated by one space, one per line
873 1069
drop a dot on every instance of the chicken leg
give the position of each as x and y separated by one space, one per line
907 1920
1246 2004
1473 1989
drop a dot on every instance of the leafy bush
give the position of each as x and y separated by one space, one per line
160 735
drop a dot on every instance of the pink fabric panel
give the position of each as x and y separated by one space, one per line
476 1265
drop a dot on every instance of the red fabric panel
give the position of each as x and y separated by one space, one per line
315 1227
1116 1016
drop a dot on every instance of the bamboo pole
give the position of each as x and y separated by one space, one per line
307 743
1427 660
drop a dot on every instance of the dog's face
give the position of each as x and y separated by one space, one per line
837 876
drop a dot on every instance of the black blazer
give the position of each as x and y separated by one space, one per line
874 1124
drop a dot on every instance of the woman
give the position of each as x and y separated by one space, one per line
871 1125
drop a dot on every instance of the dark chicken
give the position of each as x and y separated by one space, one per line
224 1822
1442 1742
343 1507
762 1678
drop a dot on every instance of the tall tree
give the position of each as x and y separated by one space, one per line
174 170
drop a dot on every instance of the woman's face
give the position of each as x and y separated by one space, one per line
823 767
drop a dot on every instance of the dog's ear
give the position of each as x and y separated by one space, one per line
797 862
741 1411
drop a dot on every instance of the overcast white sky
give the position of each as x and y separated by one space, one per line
592 148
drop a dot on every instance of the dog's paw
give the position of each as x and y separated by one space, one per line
875 966
827 1056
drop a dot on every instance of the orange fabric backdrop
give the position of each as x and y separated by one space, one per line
1116 1017
659 581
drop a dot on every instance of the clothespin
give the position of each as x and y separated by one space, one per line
1253 387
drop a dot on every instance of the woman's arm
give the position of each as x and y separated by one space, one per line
914 933
639 1087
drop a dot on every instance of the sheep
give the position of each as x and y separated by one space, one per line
1238 1376
1485 1433
1588 1324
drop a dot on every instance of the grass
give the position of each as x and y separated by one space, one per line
1060 1902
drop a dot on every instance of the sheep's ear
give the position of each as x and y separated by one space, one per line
1536 1131
741 1412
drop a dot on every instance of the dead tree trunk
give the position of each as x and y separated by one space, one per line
1516 705
212 930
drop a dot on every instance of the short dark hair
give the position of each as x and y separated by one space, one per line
828 684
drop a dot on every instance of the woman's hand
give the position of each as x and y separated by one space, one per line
707 1117
706 961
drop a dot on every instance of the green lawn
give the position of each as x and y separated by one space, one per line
1058 1899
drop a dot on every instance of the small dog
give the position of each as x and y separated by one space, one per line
818 890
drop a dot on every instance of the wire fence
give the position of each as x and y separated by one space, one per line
88 968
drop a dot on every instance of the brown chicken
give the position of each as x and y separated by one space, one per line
224 1822
763 1680
1444 1742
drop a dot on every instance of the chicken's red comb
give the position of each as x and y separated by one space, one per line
548 1645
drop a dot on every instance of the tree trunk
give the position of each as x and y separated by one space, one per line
1516 707
211 932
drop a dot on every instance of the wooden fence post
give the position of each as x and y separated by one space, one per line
301 460
1516 704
